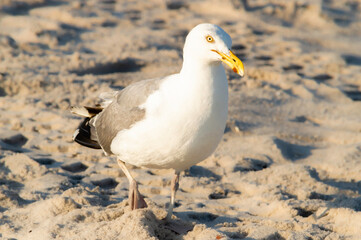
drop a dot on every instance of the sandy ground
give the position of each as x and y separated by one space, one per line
289 166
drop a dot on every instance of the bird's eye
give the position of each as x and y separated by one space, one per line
209 39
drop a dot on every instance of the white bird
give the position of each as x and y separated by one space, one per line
172 122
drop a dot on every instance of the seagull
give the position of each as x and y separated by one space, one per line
172 122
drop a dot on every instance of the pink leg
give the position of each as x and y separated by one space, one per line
174 188
136 200
175 226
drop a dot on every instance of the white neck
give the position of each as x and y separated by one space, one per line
204 85
201 71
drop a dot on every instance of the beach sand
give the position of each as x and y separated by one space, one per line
288 167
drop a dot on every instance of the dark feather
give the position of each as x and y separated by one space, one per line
84 135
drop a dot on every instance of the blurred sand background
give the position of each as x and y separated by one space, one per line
289 166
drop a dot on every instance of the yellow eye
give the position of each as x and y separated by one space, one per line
209 39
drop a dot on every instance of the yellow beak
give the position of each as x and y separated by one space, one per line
232 61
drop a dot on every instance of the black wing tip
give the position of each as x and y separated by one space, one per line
87 142
83 135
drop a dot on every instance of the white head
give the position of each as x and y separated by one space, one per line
211 44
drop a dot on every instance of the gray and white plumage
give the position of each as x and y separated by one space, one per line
175 121
171 122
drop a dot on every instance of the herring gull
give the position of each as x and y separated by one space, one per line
172 122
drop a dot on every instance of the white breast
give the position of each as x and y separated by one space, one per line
184 122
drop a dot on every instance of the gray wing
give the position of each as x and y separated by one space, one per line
123 111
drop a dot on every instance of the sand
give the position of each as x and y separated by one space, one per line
288 167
